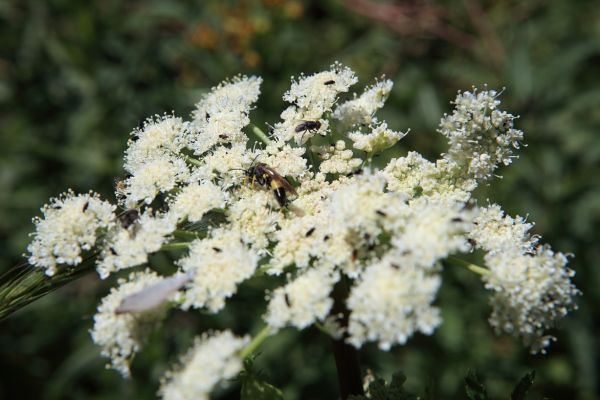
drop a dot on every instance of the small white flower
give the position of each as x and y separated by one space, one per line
430 229
219 264
196 199
159 174
122 335
212 360
499 233
360 110
531 287
529 293
312 97
379 139
128 247
391 302
286 160
254 216
303 301
338 160
160 136
71 224
222 114
480 136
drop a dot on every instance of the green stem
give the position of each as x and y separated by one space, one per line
175 246
256 342
192 160
261 135
470 266
186 234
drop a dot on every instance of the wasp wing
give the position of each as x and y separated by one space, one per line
153 295
284 182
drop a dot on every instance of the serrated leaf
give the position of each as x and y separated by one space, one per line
474 388
378 390
523 386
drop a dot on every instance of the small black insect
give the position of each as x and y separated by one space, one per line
113 251
309 232
129 217
217 249
308 126
331 82
85 206
379 212
287 300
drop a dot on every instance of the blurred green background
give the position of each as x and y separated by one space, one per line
76 77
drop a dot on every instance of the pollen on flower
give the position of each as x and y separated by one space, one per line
121 336
213 360
71 224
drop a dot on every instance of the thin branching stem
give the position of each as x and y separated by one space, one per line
470 266
261 135
256 342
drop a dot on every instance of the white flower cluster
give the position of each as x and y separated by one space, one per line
531 285
129 246
222 114
480 135
219 264
361 110
122 335
153 161
212 360
317 216
311 98
70 226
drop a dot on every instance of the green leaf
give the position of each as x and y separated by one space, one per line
378 390
474 388
255 389
523 386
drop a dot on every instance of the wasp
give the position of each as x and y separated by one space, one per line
268 177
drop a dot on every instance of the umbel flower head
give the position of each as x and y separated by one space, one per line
304 203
